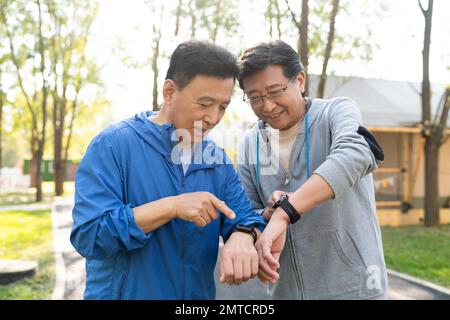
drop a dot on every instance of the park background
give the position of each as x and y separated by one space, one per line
70 68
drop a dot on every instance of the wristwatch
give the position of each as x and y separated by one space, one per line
284 203
247 229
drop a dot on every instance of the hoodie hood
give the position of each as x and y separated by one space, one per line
157 136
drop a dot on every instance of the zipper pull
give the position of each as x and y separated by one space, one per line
286 181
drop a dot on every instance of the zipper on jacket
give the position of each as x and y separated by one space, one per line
287 181
298 276
183 249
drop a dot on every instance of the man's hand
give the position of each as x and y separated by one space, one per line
270 245
268 211
238 259
200 208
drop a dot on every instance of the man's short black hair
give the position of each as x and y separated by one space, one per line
192 58
264 54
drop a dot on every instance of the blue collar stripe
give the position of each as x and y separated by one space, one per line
257 158
307 143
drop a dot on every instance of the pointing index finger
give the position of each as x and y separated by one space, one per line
220 205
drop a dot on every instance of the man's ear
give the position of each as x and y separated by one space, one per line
301 77
169 90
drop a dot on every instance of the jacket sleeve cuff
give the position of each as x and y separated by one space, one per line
257 221
137 237
259 211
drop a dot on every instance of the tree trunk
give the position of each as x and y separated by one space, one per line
32 163
426 93
56 119
35 169
58 165
215 29
193 19
59 116
278 18
270 16
431 182
41 138
329 47
155 82
303 41
178 14
59 177
432 142
156 41
38 176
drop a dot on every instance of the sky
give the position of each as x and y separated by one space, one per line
398 35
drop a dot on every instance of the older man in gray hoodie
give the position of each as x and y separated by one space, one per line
310 159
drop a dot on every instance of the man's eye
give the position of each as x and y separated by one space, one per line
275 93
253 98
204 105
223 108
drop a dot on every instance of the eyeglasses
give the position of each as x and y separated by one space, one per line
273 96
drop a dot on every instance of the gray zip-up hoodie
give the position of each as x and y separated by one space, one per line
335 251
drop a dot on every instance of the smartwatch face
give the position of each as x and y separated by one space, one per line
277 203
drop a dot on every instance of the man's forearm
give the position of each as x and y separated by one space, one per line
152 215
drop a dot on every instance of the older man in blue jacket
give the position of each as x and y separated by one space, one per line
153 194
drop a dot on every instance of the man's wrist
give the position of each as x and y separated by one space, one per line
250 230
288 208
246 235
171 205
280 215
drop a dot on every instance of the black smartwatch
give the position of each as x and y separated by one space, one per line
247 229
284 203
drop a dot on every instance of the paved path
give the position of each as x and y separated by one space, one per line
26 207
70 266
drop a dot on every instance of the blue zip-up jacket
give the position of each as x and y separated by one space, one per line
127 165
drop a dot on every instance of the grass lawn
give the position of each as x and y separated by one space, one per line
28 196
423 252
28 235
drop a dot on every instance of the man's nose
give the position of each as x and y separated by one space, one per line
212 117
268 106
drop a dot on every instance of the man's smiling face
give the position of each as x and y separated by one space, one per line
284 111
200 105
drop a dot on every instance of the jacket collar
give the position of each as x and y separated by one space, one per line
162 138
